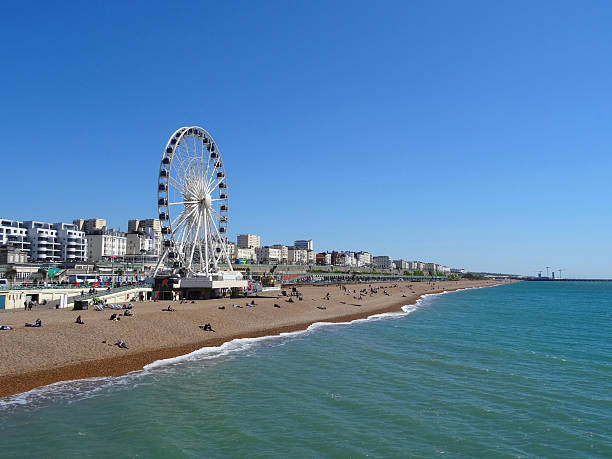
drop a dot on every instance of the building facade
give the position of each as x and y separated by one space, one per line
284 252
267 255
305 244
43 241
383 262
324 258
297 256
72 242
13 234
90 225
152 228
249 241
106 244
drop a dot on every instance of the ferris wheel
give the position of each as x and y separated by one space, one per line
192 200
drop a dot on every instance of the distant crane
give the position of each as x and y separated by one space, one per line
539 273
560 271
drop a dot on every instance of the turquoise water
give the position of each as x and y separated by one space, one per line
517 370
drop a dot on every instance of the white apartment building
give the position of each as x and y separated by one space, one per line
401 264
72 242
324 258
297 256
138 243
312 257
151 227
13 233
284 252
105 244
244 253
416 266
249 241
383 262
363 258
430 267
43 241
305 244
267 255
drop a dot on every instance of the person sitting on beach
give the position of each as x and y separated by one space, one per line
207 327
290 300
128 313
114 317
169 309
36 324
121 344
79 321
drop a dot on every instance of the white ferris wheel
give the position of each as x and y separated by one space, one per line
192 200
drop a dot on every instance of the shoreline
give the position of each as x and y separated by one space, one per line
121 364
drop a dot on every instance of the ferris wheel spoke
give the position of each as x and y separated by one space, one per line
223 244
183 202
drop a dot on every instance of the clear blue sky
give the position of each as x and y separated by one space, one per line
474 134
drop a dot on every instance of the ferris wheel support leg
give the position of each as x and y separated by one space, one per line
159 262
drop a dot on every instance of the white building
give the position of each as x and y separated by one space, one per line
284 252
267 255
151 227
383 262
324 258
249 241
416 266
312 257
401 264
243 253
105 244
363 258
139 243
297 256
72 242
305 244
430 267
13 234
43 241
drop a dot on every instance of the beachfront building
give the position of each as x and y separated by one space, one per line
138 243
243 253
13 234
43 241
430 267
363 258
284 252
324 258
416 266
249 241
297 256
10 255
267 255
106 244
312 257
90 225
401 264
383 262
72 242
152 228
444 270
305 244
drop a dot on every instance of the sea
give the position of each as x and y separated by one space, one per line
520 370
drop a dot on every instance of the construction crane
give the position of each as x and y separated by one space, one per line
560 271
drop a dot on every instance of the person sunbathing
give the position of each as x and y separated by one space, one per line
5 327
121 344
79 321
128 313
169 309
114 317
36 324
207 327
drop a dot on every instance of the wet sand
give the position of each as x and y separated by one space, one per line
62 350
